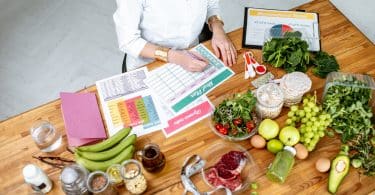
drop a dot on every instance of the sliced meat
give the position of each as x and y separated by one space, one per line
227 172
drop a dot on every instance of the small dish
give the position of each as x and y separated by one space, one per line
235 177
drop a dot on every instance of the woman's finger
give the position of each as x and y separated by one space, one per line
234 54
229 54
224 54
216 49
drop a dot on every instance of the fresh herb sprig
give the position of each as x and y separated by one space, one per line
324 64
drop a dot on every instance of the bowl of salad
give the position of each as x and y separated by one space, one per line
235 119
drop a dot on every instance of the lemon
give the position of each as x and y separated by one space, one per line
275 146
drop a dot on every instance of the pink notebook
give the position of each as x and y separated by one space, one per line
83 123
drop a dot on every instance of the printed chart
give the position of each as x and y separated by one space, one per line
127 102
178 88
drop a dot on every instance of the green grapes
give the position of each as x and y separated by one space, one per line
310 119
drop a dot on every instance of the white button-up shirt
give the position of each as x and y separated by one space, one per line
169 23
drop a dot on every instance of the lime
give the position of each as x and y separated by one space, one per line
275 146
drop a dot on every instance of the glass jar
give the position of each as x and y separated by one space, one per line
279 169
114 175
270 99
98 183
153 160
73 180
294 86
134 179
45 136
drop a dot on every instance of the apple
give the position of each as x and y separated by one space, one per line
289 136
268 129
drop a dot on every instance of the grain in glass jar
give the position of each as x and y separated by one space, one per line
135 181
270 99
294 86
98 183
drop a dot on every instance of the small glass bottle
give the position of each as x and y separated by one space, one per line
73 180
279 169
38 180
134 179
114 175
98 183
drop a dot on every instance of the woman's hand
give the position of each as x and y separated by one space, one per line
222 45
188 60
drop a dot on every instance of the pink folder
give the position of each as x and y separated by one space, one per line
83 123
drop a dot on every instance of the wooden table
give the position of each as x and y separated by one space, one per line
354 52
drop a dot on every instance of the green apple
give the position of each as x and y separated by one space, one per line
289 136
268 129
275 146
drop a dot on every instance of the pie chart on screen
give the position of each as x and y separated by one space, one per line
280 29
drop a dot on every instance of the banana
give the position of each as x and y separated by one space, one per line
110 153
106 143
103 165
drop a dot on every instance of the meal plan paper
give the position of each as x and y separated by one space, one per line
195 112
258 21
178 88
127 102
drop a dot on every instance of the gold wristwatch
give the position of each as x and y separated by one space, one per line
212 19
161 53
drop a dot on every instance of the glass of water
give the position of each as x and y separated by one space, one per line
45 136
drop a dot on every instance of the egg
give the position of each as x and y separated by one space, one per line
258 141
301 151
323 165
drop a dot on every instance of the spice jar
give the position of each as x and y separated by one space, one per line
294 86
134 179
73 179
98 183
270 99
114 175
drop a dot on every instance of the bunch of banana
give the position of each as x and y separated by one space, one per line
114 150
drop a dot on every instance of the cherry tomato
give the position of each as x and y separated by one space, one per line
250 125
218 126
223 131
237 121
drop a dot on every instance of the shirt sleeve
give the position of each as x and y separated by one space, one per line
212 8
127 19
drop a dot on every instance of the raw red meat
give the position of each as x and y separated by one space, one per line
227 172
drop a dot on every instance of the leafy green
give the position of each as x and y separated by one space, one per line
239 107
289 52
347 101
324 64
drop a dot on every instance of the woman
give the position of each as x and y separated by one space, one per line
165 29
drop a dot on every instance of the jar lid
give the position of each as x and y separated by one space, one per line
30 171
290 149
270 94
296 81
69 175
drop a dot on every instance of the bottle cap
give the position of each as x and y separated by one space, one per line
30 171
69 175
290 149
